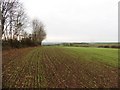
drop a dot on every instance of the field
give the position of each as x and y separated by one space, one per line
60 67
96 44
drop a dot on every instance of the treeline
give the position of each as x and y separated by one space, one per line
108 46
14 21
101 45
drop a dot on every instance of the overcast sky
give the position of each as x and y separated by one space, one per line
76 20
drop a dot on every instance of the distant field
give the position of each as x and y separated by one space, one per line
53 67
99 45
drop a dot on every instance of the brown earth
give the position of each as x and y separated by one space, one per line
50 67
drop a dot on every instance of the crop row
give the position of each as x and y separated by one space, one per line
55 67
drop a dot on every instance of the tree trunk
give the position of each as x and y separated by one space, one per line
40 43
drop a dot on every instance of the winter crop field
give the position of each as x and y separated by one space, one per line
60 67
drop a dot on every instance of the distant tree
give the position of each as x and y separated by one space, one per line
39 33
25 34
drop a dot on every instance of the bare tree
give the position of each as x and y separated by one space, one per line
20 21
39 33
5 7
13 18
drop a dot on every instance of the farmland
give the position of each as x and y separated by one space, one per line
60 67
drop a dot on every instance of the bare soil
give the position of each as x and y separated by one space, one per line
52 67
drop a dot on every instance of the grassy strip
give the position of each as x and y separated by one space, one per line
103 55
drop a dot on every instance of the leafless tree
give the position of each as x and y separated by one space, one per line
39 33
13 18
20 21
5 7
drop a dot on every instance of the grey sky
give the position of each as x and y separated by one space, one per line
76 20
